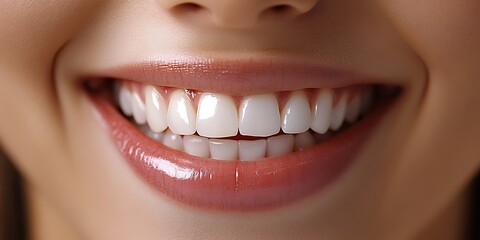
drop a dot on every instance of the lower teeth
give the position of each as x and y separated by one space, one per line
231 149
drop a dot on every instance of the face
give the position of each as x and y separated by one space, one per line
74 147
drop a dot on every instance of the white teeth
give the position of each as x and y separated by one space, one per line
338 113
259 116
252 150
172 140
354 108
303 141
174 121
296 115
181 114
322 111
196 146
156 108
224 149
125 100
138 109
279 145
217 116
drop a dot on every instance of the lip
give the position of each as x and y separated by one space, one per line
236 185
237 77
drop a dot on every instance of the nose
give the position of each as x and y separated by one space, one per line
239 13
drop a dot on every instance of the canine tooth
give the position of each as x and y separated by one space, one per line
172 140
138 109
322 111
125 100
181 114
303 141
196 146
353 109
279 145
338 113
156 109
224 149
296 115
252 150
217 116
259 116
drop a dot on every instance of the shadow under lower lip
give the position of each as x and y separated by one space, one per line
234 185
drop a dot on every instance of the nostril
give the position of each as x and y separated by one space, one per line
238 13
279 11
280 8
187 7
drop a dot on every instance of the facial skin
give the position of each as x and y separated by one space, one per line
418 163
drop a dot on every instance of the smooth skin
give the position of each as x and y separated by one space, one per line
410 182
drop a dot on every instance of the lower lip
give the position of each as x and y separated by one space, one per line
237 185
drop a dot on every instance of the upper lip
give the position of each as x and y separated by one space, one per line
236 77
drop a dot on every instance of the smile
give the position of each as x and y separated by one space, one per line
238 136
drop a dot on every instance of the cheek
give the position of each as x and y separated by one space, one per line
32 32
441 154
444 33
446 36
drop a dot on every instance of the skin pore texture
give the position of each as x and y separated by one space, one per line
411 178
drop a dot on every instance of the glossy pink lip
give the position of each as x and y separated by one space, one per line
236 77
236 185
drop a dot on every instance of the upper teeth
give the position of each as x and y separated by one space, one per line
181 117
296 115
156 109
217 115
259 116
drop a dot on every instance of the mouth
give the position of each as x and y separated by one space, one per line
236 136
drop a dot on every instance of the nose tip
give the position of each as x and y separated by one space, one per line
241 13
